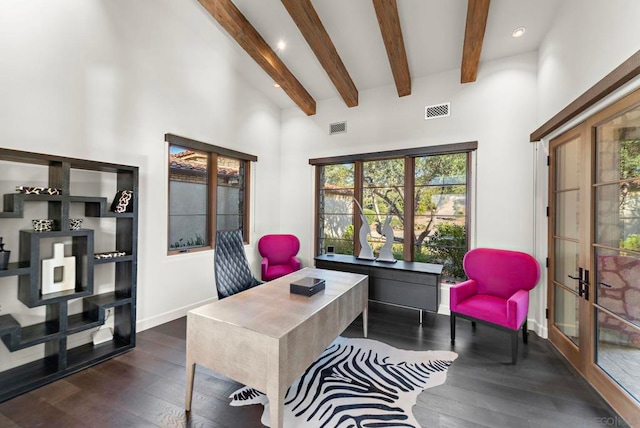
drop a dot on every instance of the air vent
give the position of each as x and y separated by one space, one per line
337 128
436 111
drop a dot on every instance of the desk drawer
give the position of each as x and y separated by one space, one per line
404 293
342 267
405 276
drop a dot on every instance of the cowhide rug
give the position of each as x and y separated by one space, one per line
357 383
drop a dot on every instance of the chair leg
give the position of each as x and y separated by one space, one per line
525 333
453 329
514 347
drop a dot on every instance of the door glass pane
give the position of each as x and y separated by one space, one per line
618 352
618 284
188 198
617 225
566 313
567 214
617 150
566 263
618 215
568 165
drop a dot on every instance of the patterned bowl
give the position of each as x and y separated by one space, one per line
42 225
75 223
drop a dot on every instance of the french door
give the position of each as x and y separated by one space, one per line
594 252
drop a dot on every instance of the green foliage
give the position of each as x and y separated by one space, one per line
629 159
344 245
198 241
340 175
447 246
437 178
632 242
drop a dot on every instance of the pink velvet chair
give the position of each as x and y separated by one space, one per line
497 291
278 255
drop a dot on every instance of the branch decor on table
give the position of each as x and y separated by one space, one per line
366 253
357 383
386 255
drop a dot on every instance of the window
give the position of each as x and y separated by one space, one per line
423 193
208 191
335 201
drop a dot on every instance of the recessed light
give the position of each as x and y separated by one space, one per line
518 32
282 45
276 85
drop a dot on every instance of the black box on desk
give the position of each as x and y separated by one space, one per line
307 286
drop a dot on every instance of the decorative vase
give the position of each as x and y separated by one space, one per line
4 256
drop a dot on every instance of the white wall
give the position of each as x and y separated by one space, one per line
105 80
586 42
498 111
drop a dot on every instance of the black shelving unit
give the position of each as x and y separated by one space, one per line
60 360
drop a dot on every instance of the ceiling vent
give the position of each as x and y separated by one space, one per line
437 111
337 128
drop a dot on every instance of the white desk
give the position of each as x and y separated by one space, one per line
266 337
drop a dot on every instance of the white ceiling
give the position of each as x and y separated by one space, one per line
433 32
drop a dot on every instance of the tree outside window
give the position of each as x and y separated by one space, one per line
435 222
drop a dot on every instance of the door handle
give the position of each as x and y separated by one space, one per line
579 277
585 284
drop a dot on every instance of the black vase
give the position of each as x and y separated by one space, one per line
4 256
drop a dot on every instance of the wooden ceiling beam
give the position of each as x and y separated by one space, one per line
389 21
309 24
238 27
477 13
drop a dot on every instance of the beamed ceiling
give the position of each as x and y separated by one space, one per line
338 47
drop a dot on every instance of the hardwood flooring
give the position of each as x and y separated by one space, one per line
145 387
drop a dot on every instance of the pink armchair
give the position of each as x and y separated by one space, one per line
496 293
278 255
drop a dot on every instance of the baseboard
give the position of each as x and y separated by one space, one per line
539 329
443 309
156 320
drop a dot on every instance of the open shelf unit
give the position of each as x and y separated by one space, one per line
60 357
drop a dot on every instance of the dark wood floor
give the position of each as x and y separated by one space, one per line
145 387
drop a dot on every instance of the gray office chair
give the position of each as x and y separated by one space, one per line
231 268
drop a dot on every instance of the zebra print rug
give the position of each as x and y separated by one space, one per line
357 383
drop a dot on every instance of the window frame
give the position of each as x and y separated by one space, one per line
212 187
409 156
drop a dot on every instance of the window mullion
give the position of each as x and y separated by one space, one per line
409 176
213 197
357 192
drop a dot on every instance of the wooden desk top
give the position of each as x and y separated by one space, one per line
258 304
